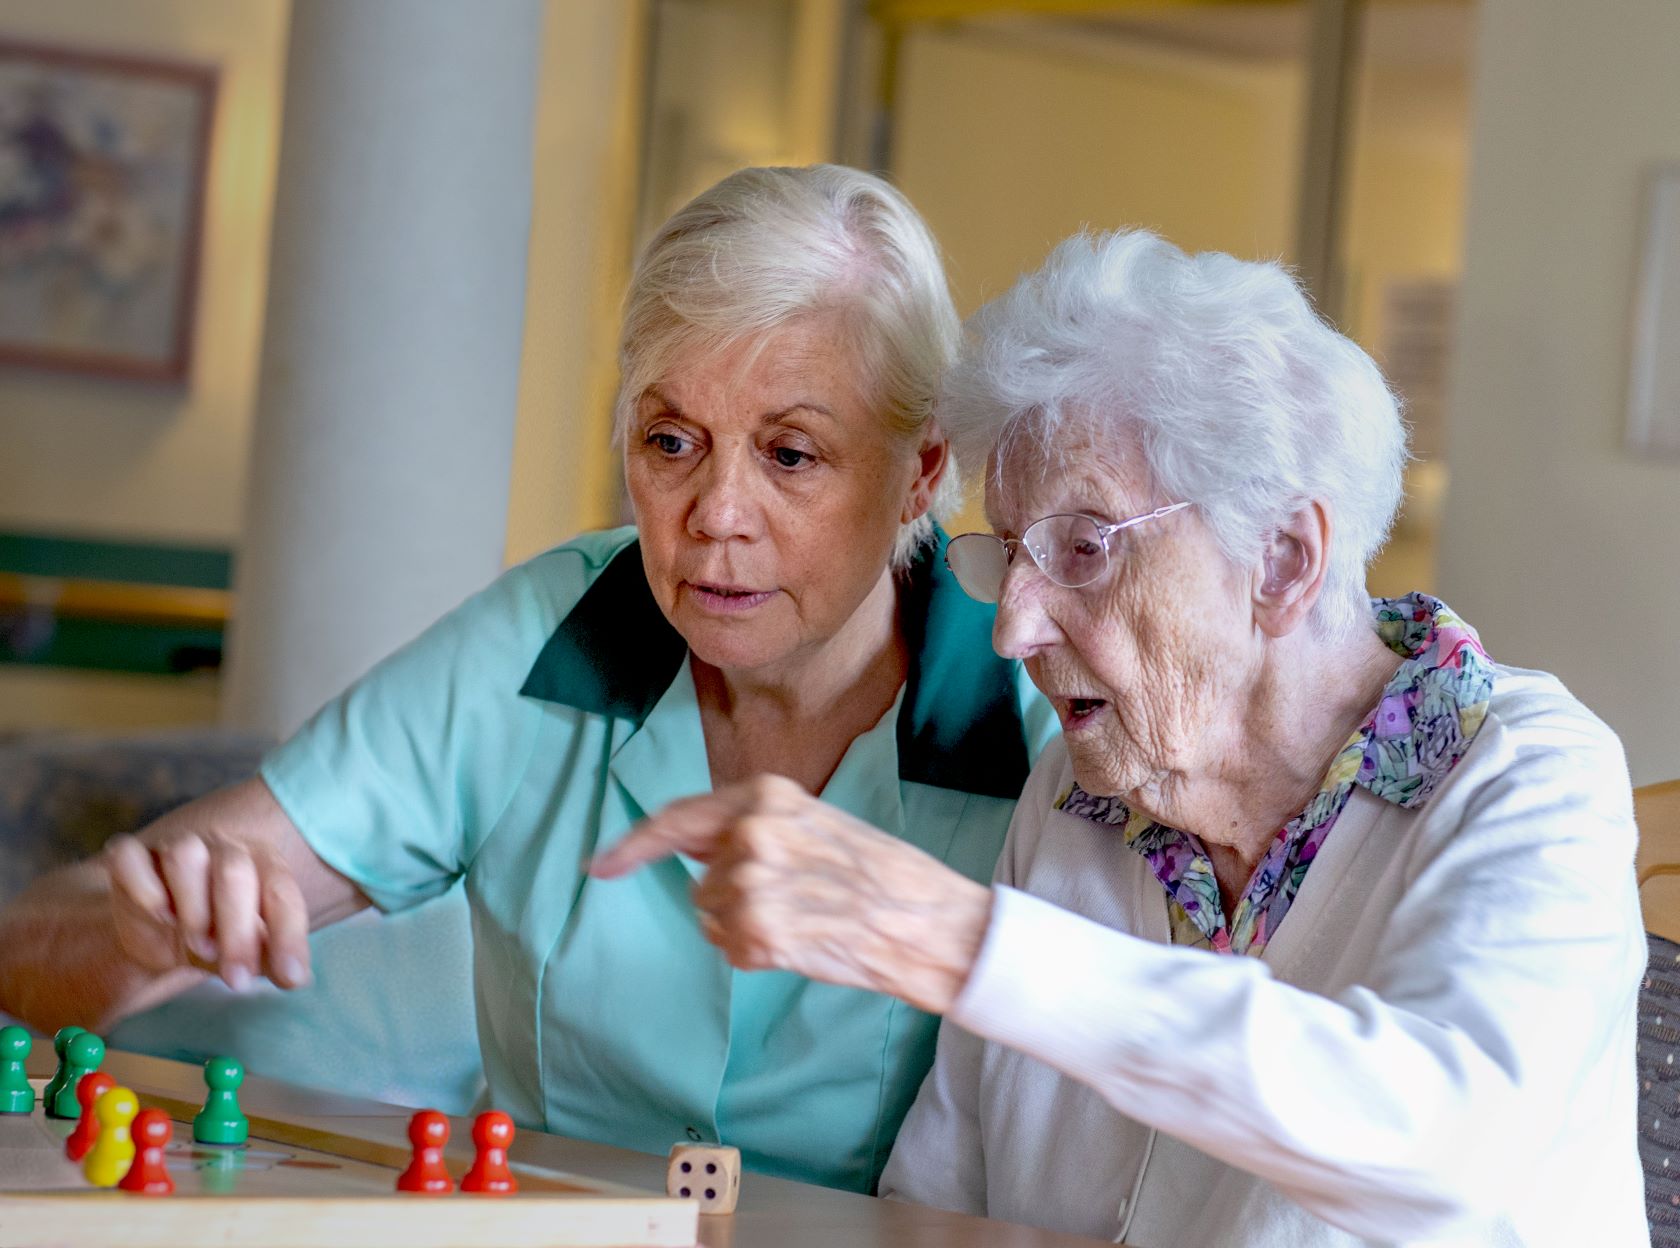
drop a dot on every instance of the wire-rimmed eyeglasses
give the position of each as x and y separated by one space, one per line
1070 549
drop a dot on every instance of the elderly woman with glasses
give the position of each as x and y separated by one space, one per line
780 604
1318 927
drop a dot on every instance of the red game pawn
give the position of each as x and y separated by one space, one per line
88 1090
152 1133
428 1131
492 1133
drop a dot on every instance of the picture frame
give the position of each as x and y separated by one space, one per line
103 164
1653 414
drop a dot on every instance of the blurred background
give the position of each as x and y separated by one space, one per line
397 290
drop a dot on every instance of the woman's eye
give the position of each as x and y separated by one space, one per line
668 443
790 457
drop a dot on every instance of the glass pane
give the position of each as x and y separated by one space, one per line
1402 242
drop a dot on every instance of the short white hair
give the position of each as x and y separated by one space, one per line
1243 400
767 246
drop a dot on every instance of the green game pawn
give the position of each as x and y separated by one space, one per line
61 1045
221 1121
17 1096
81 1057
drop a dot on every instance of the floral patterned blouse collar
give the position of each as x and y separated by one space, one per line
1429 714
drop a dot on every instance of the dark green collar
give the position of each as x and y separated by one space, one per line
959 726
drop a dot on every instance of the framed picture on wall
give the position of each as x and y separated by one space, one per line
102 170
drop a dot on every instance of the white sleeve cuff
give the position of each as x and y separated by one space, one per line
1059 986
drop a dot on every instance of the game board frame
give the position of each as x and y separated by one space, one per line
545 1215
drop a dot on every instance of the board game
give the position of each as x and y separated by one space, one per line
291 1186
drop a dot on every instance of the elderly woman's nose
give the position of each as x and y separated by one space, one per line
1022 626
725 501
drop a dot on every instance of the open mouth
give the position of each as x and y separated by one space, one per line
729 599
1081 711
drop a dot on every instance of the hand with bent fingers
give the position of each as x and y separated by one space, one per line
225 884
192 898
795 884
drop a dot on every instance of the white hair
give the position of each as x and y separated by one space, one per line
1243 400
766 246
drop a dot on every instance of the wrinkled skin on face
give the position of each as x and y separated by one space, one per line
768 493
1145 666
769 497
1186 684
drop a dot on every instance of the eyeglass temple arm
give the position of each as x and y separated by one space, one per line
1148 515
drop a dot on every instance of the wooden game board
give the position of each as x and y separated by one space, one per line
304 1187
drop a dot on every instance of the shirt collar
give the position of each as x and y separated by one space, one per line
1432 708
1427 717
1429 713
959 723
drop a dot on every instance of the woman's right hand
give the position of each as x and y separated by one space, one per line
225 884
186 896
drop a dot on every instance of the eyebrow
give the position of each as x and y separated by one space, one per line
803 405
1087 507
1103 514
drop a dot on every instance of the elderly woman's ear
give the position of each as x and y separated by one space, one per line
932 462
1291 573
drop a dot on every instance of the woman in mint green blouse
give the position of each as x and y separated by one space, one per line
780 606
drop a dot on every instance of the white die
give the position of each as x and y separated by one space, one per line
708 1173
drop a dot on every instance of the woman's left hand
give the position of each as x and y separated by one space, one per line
794 884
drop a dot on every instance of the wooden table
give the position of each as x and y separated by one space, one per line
773 1213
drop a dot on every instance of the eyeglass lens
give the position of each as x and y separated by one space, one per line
979 562
1067 549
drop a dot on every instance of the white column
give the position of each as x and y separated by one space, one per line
382 448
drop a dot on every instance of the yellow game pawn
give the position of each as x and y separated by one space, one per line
113 1152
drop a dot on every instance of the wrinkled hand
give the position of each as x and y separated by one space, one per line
196 899
794 884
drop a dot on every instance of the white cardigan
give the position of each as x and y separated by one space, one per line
1437 1046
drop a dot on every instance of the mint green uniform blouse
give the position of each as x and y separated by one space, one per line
532 727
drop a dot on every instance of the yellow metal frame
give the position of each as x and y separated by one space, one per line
904 12
116 600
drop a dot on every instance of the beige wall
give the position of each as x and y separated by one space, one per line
1009 145
40 699
1405 199
143 462
1405 221
116 459
127 461
583 187
122 459
1559 543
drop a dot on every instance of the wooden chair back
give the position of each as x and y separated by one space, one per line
1656 808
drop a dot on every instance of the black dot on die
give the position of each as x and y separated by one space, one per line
710 1194
711 1167
687 1166
684 1192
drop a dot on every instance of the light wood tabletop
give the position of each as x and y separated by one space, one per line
772 1213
